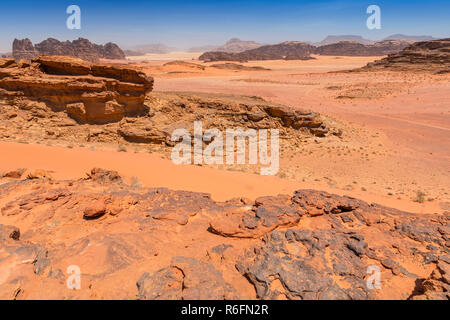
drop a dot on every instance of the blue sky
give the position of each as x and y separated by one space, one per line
187 23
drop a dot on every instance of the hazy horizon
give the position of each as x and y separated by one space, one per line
198 23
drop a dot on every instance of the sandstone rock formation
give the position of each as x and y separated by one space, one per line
80 48
353 48
293 50
185 279
289 50
162 113
236 66
433 56
180 63
437 285
24 49
87 92
162 244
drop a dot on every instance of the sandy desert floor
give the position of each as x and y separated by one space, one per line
166 56
403 121
394 150
395 147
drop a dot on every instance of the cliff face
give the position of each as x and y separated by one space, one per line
88 92
24 49
80 48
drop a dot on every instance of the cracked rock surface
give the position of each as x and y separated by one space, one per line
131 242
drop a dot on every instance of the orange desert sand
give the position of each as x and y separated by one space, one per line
373 191
403 120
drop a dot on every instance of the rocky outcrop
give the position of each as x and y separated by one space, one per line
328 254
180 63
290 50
111 51
87 92
353 48
80 48
180 110
236 66
14 174
150 122
291 264
24 49
433 56
153 243
437 285
386 47
185 279
211 56
103 176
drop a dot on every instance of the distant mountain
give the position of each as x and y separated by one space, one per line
412 38
236 45
289 50
356 49
5 54
336 39
131 53
203 48
152 48
294 50
339 38
80 48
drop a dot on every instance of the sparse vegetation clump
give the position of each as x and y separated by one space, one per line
420 196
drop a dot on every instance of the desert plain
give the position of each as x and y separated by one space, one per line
390 146
394 146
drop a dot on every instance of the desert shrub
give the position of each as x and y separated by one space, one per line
420 196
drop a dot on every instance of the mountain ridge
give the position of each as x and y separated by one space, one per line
80 48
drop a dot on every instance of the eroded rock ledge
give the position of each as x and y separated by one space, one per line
426 56
162 244
88 92
162 113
